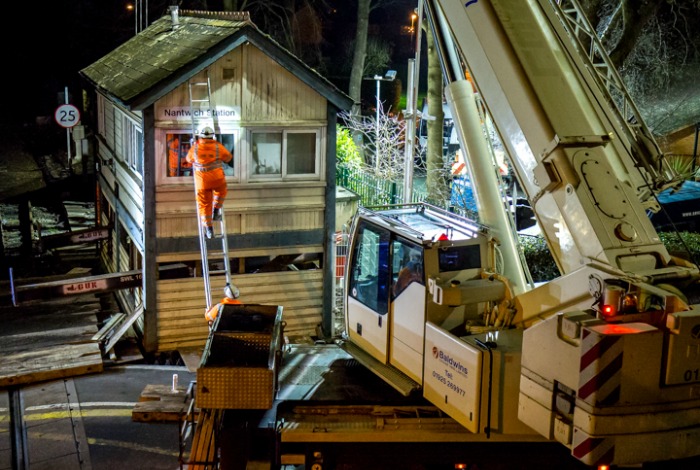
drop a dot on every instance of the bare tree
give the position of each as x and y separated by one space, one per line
295 24
235 5
383 142
377 56
436 182
655 46
360 53
358 60
622 29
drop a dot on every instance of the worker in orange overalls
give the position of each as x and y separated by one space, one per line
231 294
174 157
206 157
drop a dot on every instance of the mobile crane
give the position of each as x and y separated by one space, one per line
604 359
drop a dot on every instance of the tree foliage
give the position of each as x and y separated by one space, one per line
381 142
345 148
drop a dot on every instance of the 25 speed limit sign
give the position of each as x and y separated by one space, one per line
67 115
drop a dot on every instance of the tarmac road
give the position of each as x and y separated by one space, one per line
85 423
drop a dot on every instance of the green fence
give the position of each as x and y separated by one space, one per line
374 191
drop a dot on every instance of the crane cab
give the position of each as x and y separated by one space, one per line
409 265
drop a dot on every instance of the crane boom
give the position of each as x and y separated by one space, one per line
581 169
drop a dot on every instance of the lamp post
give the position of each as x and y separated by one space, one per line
411 98
389 76
414 16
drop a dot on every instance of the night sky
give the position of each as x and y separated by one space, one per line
60 37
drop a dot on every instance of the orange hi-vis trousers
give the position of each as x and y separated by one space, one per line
211 192
209 178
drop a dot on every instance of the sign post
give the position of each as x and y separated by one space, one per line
67 115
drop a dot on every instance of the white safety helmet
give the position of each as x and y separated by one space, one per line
207 133
231 291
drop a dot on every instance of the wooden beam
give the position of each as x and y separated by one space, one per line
159 403
44 364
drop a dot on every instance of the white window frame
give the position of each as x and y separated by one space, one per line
132 144
283 175
101 127
162 156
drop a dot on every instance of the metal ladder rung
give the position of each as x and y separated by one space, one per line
220 255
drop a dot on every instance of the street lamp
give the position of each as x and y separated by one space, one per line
389 76
414 16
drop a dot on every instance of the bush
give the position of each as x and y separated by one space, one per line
682 244
346 149
539 259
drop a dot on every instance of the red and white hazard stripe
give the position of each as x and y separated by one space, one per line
600 375
593 450
600 370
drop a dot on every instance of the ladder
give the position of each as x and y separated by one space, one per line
206 273
200 95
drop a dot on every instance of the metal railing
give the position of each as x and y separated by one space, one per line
377 191
374 190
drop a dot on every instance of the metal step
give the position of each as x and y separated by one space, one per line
391 375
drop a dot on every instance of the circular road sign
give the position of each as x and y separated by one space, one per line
67 115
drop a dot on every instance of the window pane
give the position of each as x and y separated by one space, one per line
369 279
267 153
407 265
177 146
139 152
228 141
301 153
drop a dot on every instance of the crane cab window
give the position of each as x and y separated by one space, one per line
407 265
369 273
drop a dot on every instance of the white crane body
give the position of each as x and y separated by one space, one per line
604 359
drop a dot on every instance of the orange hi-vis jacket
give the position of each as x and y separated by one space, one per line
206 156
214 310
